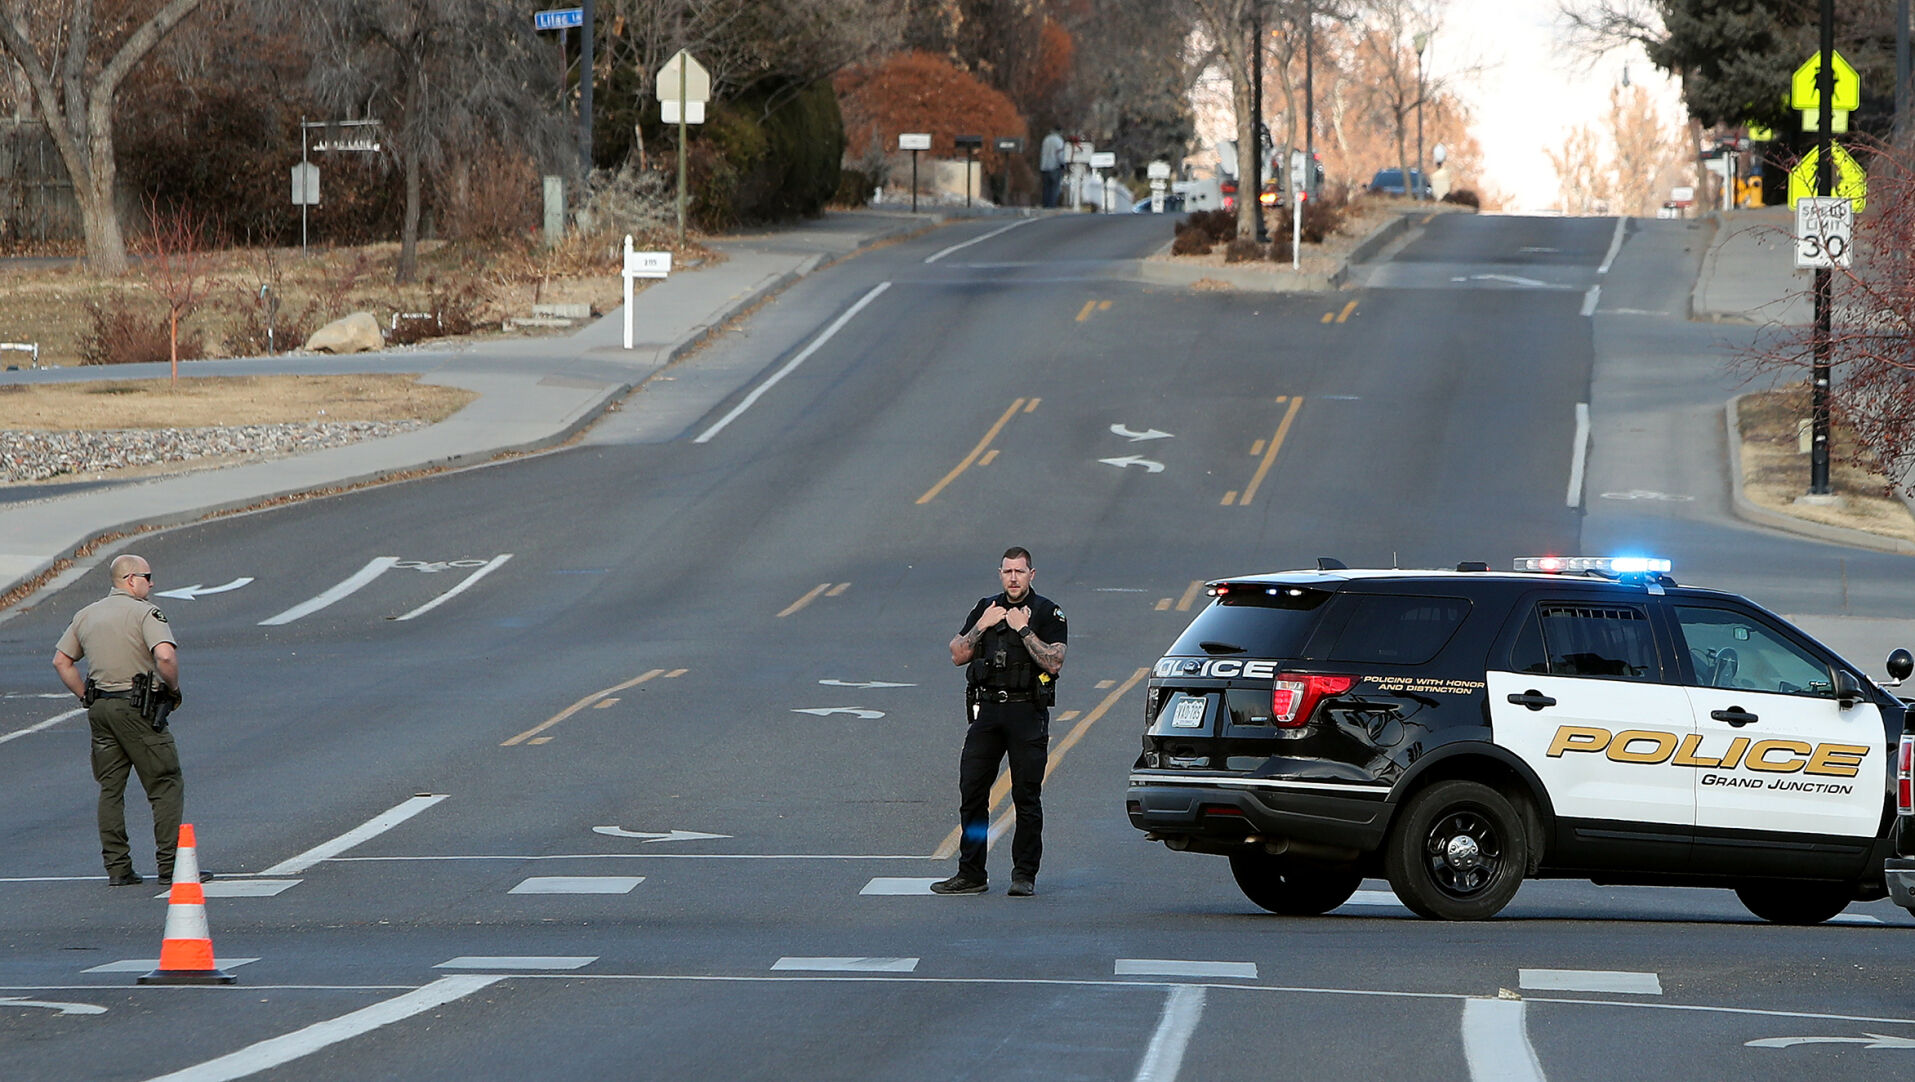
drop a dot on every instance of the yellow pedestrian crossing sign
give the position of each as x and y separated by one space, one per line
1848 85
1850 181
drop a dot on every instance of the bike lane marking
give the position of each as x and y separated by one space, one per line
378 566
493 565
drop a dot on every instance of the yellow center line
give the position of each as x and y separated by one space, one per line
1084 312
1031 406
972 458
578 706
838 589
1345 314
805 600
988 456
1002 788
1270 453
1190 596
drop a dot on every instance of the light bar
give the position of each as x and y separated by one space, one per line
1607 565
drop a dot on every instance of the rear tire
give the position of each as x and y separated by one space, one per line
1796 903
1458 852
1294 888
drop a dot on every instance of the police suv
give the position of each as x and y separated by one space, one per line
1459 731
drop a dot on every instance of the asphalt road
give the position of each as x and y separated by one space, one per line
441 742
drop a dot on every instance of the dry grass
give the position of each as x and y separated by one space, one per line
1775 471
45 301
236 400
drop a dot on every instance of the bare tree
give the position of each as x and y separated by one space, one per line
176 266
441 76
1584 180
75 69
1230 28
1395 34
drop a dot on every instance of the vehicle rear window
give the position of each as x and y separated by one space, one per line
1387 629
1270 622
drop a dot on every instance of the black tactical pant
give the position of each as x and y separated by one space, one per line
124 742
1021 732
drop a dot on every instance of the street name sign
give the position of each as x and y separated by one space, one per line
558 18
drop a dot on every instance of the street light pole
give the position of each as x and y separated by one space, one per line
1310 99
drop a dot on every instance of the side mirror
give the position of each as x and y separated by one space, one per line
1900 664
1848 690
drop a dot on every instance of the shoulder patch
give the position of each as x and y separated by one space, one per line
1058 613
158 615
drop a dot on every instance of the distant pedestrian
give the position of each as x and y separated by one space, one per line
127 644
1050 165
1012 647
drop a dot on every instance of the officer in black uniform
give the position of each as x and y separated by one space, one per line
1012 647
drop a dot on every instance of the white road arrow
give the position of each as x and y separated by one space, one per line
1134 460
1147 434
669 836
857 684
188 593
1873 1040
63 1008
827 711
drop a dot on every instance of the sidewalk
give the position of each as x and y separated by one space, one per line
1748 274
533 393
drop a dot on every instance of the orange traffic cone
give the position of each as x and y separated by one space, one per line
186 947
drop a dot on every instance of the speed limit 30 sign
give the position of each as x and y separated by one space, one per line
1824 228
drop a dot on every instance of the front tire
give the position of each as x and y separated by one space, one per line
1458 852
1796 903
1293 888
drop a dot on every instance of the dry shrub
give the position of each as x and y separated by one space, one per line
443 311
1464 197
1190 242
1281 249
1243 251
497 195
120 334
1219 225
1323 217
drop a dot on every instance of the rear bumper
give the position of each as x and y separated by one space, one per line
1219 814
1899 873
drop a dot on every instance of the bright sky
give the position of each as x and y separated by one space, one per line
1530 94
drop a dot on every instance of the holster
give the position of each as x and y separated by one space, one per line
154 700
91 694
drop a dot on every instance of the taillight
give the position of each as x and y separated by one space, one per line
1293 695
1904 782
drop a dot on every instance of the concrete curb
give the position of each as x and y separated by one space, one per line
1705 273
1379 239
1747 510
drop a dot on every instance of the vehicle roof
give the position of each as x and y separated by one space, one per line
1331 579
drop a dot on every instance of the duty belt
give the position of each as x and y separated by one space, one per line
128 694
988 696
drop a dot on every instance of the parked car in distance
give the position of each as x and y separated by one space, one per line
1390 182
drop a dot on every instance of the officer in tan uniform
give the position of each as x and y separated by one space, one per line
121 636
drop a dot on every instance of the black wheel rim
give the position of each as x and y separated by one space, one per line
1463 852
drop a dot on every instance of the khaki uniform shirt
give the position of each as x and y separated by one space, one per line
116 635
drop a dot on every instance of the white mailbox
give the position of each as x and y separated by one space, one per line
640 265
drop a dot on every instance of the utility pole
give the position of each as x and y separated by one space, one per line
1310 99
1256 125
587 32
1824 186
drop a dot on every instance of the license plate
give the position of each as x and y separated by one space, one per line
1189 714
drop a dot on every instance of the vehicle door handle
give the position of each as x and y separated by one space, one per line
1735 716
1533 699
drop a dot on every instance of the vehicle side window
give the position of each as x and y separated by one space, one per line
1730 649
1395 630
1593 640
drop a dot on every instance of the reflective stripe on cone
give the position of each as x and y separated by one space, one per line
186 946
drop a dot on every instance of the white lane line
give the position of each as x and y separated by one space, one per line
148 965
522 857
244 888
47 724
847 965
1589 980
459 589
1165 1055
1495 1044
934 257
1589 300
371 828
1178 967
1376 898
379 566
578 884
897 885
1579 455
816 343
1615 245
518 961
272 1053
